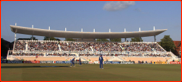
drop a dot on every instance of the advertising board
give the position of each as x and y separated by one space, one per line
14 61
175 62
3 61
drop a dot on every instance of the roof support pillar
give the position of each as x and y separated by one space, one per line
49 33
154 28
125 39
82 30
139 29
14 43
154 38
32 37
33 32
65 29
15 36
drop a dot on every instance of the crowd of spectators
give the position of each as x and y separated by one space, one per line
27 54
19 45
106 46
87 46
109 46
141 47
158 55
43 46
58 54
75 46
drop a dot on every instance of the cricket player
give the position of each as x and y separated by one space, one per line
72 62
80 61
101 61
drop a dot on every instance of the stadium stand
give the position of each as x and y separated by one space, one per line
89 51
30 45
86 47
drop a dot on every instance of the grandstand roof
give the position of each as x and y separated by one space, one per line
77 34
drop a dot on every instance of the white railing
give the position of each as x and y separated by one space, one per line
80 41
14 45
59 47
161 47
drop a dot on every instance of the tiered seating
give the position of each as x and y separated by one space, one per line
134 51
43 46
86 46
106 46
75 46
19 45
134 46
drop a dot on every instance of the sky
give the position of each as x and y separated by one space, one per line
89 15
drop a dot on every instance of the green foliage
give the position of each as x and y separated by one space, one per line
27 38
167 43
4 48
24 39
58 39
49 38
69 39
136 39
116 40
33 38
102 40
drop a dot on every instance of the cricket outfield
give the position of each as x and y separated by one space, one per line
90 72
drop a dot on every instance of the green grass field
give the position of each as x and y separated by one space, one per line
89 72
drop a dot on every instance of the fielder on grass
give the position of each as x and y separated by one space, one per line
72 62
80 62
101 61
